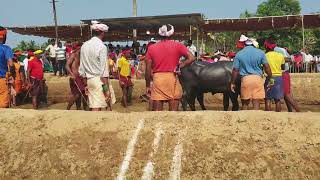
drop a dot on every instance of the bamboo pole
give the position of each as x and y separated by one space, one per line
55 19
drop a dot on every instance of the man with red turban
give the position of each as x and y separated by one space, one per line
274 91
6 60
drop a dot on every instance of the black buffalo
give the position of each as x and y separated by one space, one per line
202 77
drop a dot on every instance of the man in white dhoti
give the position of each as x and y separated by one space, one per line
93 67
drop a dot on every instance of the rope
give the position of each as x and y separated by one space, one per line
80 92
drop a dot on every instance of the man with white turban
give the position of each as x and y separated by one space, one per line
247 64
93 57
162 59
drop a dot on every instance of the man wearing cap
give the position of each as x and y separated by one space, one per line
275 89
162 60
248 64
6 61
93 57
35 78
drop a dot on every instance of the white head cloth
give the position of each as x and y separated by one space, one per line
255 43
163 31
243 38
96 26
248 42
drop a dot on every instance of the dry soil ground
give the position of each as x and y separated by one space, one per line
135 144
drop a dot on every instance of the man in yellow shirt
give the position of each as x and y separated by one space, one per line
274 88
124 70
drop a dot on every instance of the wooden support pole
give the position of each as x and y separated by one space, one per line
55 19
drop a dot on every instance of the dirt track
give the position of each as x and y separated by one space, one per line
133 143
305 87
213 145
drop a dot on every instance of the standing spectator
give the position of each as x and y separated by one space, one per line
317 63
307 60
68 47
124 70
93 58
191 48
29 57
143 49
247 64
163 61
288 98
6 59
275 89
76 82
51 50
141 67
286 55
35 78
61 59
19 80
111 63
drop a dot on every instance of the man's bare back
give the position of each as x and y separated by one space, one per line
73 63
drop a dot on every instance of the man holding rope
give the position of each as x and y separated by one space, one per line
163 60
76 82
93 57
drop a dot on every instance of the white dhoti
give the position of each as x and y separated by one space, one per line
113 96
95 95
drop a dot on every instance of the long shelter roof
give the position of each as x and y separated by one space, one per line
121 29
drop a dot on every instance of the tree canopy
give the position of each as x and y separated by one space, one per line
279 8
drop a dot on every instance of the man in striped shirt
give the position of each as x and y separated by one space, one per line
61 59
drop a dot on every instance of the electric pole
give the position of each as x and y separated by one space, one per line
55 19
135 15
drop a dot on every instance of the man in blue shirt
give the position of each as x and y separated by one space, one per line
6 57
248 64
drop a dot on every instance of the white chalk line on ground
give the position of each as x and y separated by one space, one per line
130 150
175 171
148 170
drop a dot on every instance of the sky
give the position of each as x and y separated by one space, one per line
39 12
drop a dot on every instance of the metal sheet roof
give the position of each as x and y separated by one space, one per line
262 23
151 22
121 28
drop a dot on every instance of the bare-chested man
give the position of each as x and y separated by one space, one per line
77 84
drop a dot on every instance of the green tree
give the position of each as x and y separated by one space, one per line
22 46
291 38
225 41
315 50
31 45
279 8
247 14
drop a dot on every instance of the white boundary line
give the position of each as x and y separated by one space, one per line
130 150
175 171
148 170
